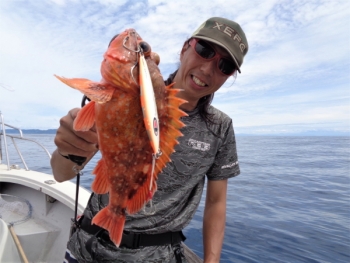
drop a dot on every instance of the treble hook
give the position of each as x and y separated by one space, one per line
151 210
139 50
138 47
131 72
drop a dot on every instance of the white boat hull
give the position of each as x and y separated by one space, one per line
44 236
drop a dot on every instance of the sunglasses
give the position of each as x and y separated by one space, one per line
207 52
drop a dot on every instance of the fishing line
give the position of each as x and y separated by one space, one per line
79 160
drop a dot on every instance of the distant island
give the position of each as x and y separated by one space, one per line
31 131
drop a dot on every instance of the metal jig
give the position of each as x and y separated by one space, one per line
155 156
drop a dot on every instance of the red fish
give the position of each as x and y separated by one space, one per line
125 169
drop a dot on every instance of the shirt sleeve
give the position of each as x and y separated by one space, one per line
226 160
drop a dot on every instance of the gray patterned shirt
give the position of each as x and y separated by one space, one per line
204 150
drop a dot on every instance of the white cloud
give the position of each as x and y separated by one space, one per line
304 108
295 46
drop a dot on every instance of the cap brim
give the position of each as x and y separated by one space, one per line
221 45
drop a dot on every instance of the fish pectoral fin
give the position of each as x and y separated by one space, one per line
96 91
112 222
101 184
85 118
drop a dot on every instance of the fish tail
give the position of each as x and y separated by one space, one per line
112 222
85 118
101 184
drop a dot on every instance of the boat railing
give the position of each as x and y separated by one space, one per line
3 135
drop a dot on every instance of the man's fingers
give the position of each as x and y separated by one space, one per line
73 142
88 136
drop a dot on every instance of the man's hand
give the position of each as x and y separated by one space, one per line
69 141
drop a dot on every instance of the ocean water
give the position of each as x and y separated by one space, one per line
291 202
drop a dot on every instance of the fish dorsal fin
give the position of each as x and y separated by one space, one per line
96 91
170 125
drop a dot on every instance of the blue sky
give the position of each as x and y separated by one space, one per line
295 78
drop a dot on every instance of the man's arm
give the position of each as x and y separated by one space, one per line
214 220
69 141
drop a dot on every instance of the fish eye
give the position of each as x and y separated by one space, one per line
146 48
110 42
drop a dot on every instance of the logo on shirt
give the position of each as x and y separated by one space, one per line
203 146
230 165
